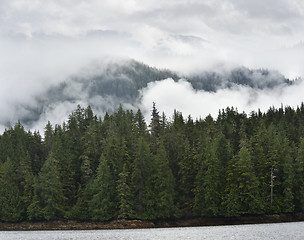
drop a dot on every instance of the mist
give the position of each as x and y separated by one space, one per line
46 43
170 95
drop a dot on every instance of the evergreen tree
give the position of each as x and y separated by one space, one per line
86 169
188 166
27 191
263 163
36 152
124 193
89 169
114 153
103 205
155 128
48 135
299 177
165 185
72 142
274 161
11 205
288 174
208 192
80 210
92 147
48 200
242 186
143 182
141 126
65 167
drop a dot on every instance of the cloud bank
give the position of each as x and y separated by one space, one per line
170 95
180 35
43 42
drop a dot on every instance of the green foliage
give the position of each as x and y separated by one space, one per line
103 204
10 207
242 187
124 193
93 169
165 185
143 182
48 201
188 167
209 184
299 177
81 208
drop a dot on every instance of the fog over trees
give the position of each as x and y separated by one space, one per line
104 86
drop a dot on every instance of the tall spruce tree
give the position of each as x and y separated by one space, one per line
155 128
11 206
103 205
208 191
48 200
125 196
299 177
165 184
143 182
242 193
288 173
188 167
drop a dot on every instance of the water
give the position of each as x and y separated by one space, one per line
276 231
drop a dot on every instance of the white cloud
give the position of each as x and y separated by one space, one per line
170 95
42 42
250 33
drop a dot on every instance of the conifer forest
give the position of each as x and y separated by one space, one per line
121 167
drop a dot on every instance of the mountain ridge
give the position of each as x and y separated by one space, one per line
105 86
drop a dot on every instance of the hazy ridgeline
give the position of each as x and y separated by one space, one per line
118 167
104 85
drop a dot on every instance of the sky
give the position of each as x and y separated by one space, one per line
42 42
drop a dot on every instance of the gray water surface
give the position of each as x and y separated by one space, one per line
276 231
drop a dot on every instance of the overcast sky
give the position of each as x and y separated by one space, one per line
44 41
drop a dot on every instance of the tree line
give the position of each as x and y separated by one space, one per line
120 167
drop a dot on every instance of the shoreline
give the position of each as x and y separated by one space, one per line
138 224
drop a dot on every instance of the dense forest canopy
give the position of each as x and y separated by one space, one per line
97 169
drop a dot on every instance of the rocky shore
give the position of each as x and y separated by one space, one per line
132 224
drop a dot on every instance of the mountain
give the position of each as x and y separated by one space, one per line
105 86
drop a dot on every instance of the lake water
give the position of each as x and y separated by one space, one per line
276 231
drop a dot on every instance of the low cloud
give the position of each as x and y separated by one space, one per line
170 95
43 43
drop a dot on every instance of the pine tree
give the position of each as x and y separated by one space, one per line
103 205
11 206
299 177
155 128
263 163
288 173
143 182
242 186
48 201
114 152
125 197
91 141
208 192
89 169
80 210
36 151
165 184
48 135
65 167
141 126
188 166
